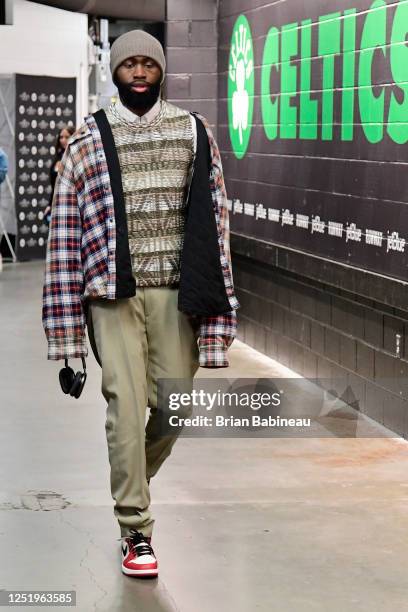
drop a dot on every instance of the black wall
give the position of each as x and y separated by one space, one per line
325 306
324 332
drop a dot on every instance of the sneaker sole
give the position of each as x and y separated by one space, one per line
141 573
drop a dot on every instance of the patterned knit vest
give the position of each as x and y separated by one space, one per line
155 160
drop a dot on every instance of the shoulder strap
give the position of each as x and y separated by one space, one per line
125 283
110 149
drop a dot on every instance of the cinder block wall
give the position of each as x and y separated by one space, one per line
327 333
322 322
191 50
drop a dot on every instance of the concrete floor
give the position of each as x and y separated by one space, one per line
282 524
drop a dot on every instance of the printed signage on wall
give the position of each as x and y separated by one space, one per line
44 105
317 108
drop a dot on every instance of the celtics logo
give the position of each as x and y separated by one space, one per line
240 86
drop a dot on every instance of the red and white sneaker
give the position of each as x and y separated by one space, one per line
137 556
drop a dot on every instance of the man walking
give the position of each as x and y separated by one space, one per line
139 251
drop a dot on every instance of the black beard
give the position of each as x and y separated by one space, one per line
135 100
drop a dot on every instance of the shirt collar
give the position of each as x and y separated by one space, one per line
130 117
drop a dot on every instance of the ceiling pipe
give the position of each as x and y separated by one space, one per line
143 10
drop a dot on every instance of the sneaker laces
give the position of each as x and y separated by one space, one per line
125 537
139 543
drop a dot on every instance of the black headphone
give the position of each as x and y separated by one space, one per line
70 382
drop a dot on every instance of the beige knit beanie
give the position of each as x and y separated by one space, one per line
137 42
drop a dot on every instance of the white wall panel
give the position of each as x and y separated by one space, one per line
47 41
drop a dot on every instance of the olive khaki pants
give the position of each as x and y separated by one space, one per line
136 341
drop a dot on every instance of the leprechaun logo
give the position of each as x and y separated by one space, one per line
240 86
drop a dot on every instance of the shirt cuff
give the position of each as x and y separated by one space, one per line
67 348
213 354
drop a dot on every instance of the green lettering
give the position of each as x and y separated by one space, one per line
371 106
270 109
398 113
308 107
328 48
288 113
349 64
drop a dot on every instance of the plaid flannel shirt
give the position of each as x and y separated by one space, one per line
80 259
